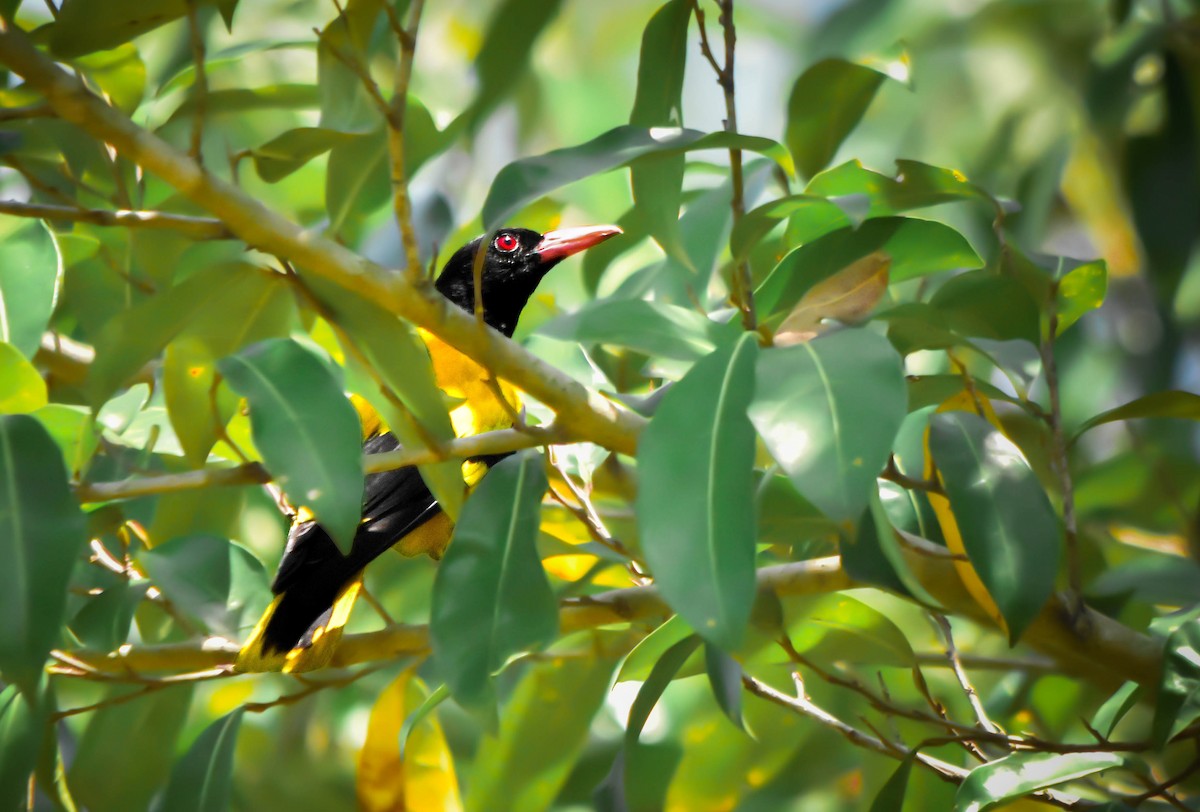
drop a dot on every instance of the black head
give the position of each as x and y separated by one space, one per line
515 262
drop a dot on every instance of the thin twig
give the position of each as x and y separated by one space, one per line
396 136
26 111
743 283
943 624
198 228
199 84
492 442
892 473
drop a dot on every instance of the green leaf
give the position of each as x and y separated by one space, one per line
841 628
915 247
656 329
542 734
656 683
725 679
22 729
103 622
504 56
1009 529
985 304
849 194
1020 774
398 356
873 555
828 411
119 73
306 430
695 502
201 781
891 794
491 598
1174 403
74 430
826 103
524 181
287 152
135 336
1178 704
358 173
29 280
210 579
79 30
1081 290
1115 707
102 777
650 649
256 306
22 389
42 531
657 181
251 99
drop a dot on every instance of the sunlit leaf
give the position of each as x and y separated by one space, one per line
491 598
74 430
827 411
1009 529
1022 773
22 389
424 776
915 247
1178 704
695 503
838 627
42 531
306 430
78 30
202 781
848 296
1081 290
826 103
29 280
523 181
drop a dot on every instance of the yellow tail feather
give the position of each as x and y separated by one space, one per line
325 639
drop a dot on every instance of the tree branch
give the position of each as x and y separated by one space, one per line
395 124
198 228
585 414
1107 655
492 442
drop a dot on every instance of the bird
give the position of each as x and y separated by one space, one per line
316 585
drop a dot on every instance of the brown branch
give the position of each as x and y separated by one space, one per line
198 228
943 624
743 282
583 414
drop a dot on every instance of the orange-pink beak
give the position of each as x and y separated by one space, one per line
565 242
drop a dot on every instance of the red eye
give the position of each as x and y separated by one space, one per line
506 243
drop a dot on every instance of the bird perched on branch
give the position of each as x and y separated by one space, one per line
316 585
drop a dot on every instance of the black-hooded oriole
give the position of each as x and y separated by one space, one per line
316 585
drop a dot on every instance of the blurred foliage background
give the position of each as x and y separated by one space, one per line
1075 122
